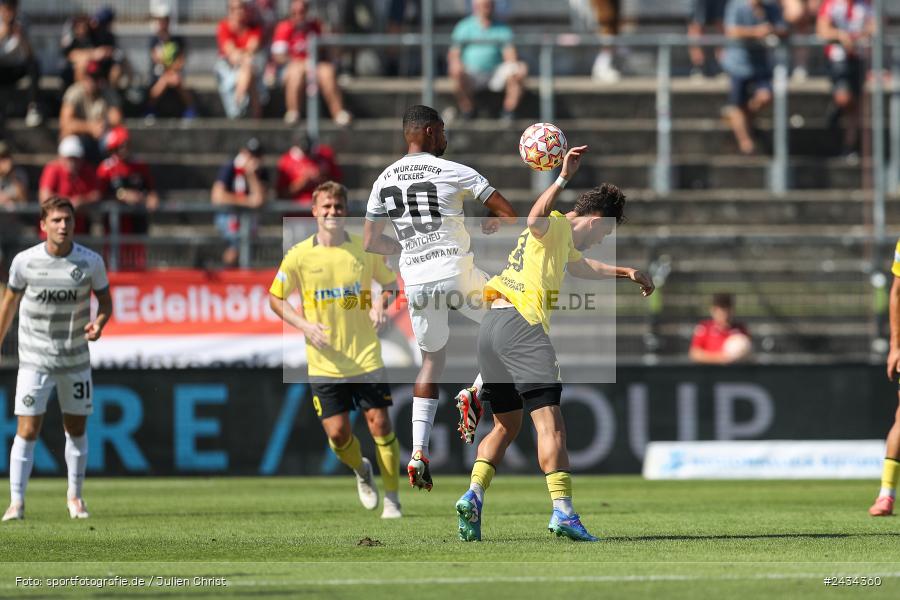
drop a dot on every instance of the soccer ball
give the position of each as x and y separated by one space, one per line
543 146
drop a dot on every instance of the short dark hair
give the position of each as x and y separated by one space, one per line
607 200
420 117
56 203
723 300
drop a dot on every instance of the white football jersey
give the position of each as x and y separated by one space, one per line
423 196
56 306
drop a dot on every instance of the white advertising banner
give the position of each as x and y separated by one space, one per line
764 459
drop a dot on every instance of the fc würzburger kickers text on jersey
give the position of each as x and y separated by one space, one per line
423 196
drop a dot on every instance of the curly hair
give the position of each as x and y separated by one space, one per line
607 200
419 117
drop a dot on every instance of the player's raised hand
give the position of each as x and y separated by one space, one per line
572 161
92 332
317 335
893 363
490 225
643 280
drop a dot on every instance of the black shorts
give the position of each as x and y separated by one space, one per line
504 397
846 75
334 396
515 356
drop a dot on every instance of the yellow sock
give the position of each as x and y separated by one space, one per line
890 474
559 483
387 451
350 454
482 473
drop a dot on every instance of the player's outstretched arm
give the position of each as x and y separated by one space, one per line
537 218
376 242
588 268
8 309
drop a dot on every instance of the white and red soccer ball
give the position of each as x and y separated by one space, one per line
543 146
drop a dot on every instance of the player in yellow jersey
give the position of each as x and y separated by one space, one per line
884 503
517 360
334 274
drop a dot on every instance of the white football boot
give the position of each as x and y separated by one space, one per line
365 485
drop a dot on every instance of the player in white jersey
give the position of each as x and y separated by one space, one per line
423 195
50 285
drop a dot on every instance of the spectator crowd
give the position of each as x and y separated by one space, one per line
259 51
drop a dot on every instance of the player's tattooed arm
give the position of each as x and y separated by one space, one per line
588 268
94 329
8 308
375 241
537 218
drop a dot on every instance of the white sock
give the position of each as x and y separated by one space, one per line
564 504
479 491
423 412
478 384
887 492
21 459
76 463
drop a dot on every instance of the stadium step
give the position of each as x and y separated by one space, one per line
574 98
382 137
507 171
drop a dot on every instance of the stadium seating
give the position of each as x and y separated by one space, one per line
719 230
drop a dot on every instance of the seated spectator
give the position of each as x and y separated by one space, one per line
167 58
13 181
720 340
477 66
71 176
706 16
241 187
113 62
845 23
89 109
240 62
18 60
607 13
77 48
800 15
749 24
289 51
128 181
303 167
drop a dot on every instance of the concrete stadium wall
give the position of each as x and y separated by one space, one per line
247 422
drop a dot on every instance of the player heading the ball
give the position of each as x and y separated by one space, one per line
422 196
515 355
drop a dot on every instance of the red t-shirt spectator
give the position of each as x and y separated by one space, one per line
313 169
114 173
240 39
710 337
291 40
57 180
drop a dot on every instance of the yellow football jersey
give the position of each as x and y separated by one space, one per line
535 270
896 268
335 284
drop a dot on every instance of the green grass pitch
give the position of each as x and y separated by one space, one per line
300 537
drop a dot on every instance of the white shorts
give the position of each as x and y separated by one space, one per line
430 304
495 80
74 390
